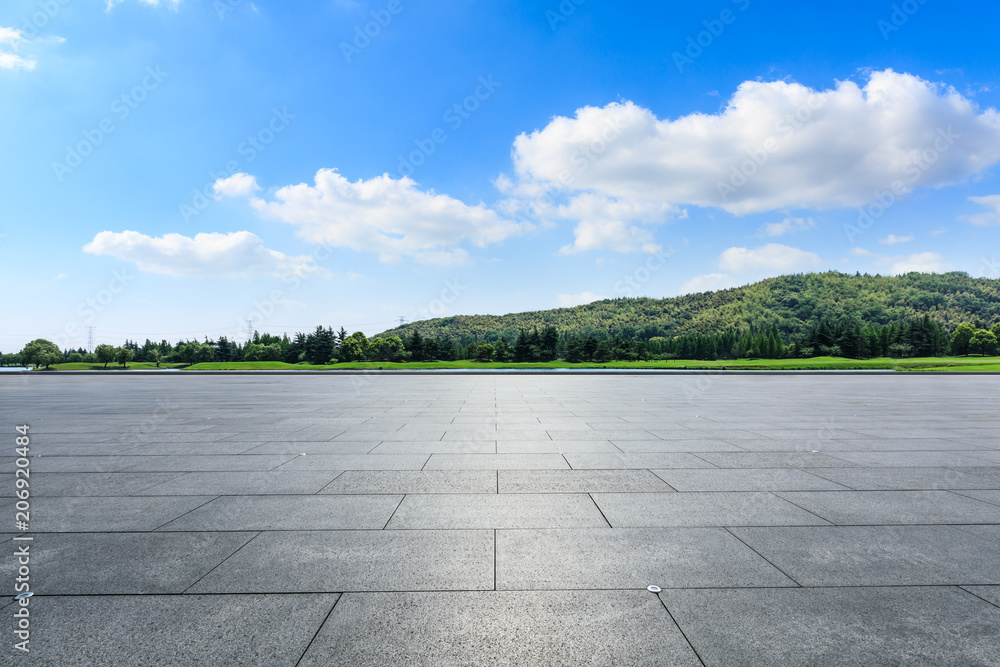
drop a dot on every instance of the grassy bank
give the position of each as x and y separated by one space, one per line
816 363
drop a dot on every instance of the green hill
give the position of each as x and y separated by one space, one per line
794 303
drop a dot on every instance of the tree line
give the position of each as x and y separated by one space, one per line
846 337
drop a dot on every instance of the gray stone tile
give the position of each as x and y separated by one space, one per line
437 447
579 481
775 460
357 560
465 511
989 593
745 479
554 446
628 558
357 462
413 481
877 555
96 483
116 513
893 507
320 512
313 448
837 627
196 463
992 497
639 461
496 462
638 510
244 483
700 445
175 630
537 628
123 563
903 479
911 459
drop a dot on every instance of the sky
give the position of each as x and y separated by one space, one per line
188 168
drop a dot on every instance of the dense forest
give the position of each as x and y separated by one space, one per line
792 304
796 316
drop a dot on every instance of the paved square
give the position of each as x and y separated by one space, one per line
506 519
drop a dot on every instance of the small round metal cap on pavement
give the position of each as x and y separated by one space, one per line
653 589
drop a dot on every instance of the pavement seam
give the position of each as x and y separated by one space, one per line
680 630
316 634
591 496
394 511
962 588
765 559
215 497
219 564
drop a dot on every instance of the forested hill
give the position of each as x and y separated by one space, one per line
794 303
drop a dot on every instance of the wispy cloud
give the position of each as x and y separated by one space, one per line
234 255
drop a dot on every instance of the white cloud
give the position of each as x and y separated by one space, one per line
991 216
387 216
237 185
603 224
570 300
770 257
234 255
152 3
861 252
924 262
892 239
13 39
816 149
939 232
710 282
788 226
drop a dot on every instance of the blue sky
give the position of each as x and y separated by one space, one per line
175 168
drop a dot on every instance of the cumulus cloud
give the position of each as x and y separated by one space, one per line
892 239
11 39
802 148
924 262
770 257
710 282
606 224
991 216
861 252
570 300
237 185
391 217
234 255
788 226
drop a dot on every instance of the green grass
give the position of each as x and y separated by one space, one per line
87 366
816 363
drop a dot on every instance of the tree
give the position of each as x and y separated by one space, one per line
320 346
350 349
41 352
391 349
123 355
156 355
962 337
362 342
485 352
984 340
105 354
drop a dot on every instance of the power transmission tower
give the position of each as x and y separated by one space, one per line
90 339
249 329
402 320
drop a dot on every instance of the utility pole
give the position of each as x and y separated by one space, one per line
90 339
